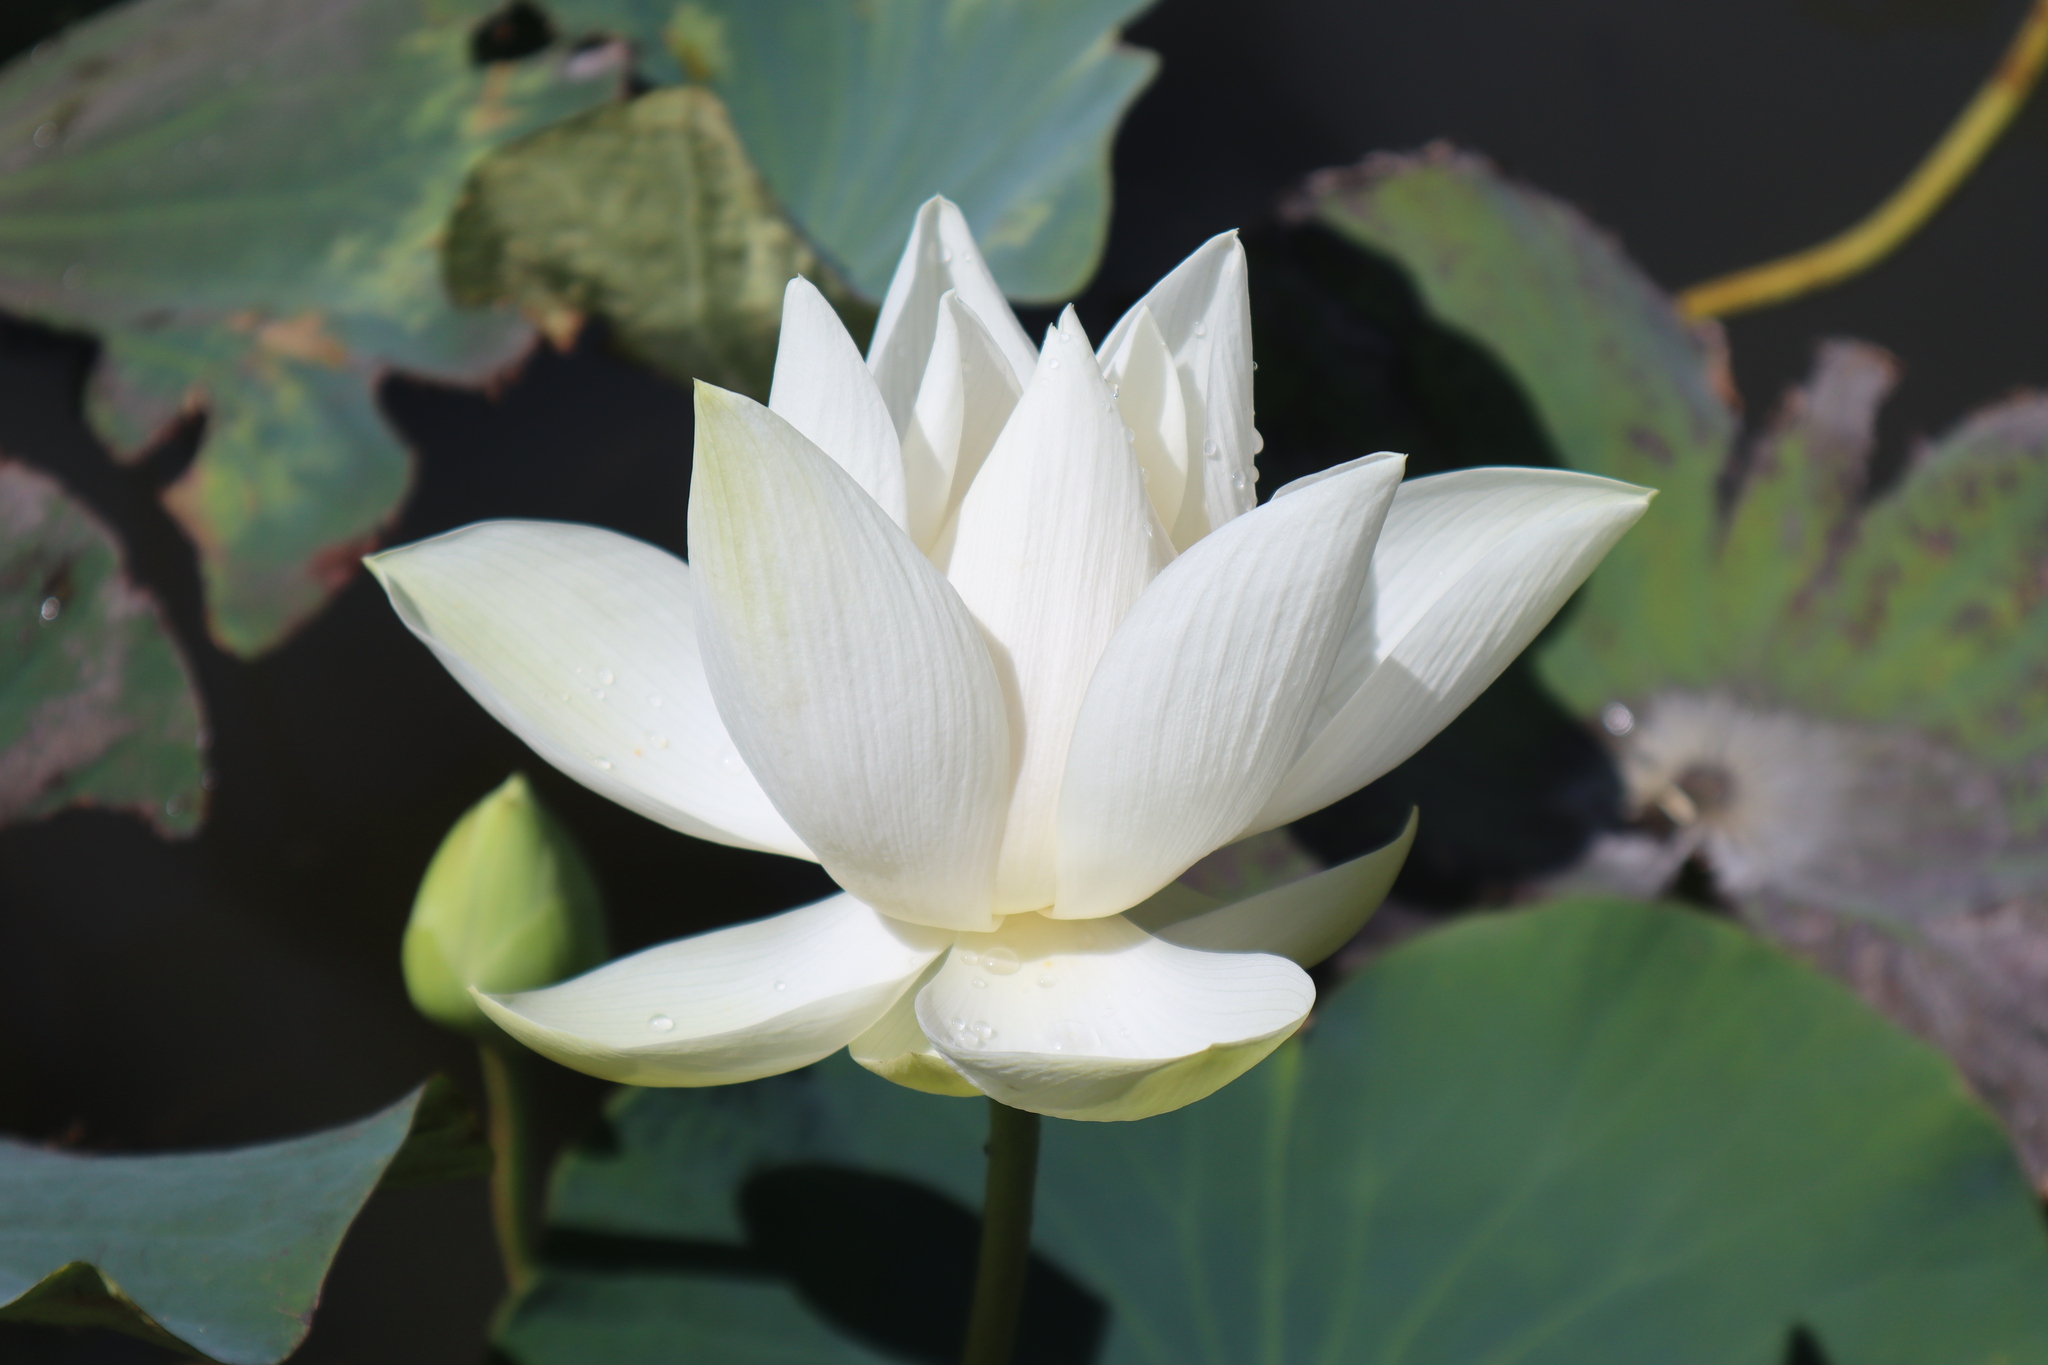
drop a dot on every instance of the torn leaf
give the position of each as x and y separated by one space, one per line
97 706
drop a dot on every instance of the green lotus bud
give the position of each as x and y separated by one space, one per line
507 904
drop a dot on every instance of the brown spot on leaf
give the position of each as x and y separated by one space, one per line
304 337
1650 446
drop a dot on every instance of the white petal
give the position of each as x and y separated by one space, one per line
895 1048
1100 1020
853 680
966 395
1470 566
940 255
1051 548
735 1004
583 642
1148 394
1200 702
824 389
1203 310
1305 920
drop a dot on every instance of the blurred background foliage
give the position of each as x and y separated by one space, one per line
1806 692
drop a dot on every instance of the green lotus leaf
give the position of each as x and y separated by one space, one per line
212 1254
649 214
856 114
244 200
97 706
1831 693
1597 1131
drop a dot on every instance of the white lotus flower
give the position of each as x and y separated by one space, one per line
1000 638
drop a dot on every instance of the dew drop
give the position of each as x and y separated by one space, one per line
1071 1035
983 1029
1054 362
945 257
1237 480
782 985
1130 436
964 1034
971 959
661 1023
1116 390
1201 329
661 741
1046 982
1001 959
604 763
50 608
597 692
1209 449
978 983
604 677
45 134
731 763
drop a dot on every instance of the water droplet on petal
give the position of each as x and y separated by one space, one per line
978 983
945 257
970 958
983 1029
604 677
1071 1035
45 134
1130 436
597 692
1054 362
1237 480
1201 329
1001 959
661 741
731 763
661 1023
1209 448
963 1034
50 608
782 985
1045 981
603 763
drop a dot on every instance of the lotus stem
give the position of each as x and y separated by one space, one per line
508 1093
1909 206
1005 1236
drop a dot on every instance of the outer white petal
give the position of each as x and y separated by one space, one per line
853 680
1203 309
1053 544
583 642
940 255
824 389
732 1005
966 396
1470 566
1305 920
1100 1020
1200 702
896 1049
1148 393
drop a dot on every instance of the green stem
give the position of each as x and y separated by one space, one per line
508 1090
1005 1236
